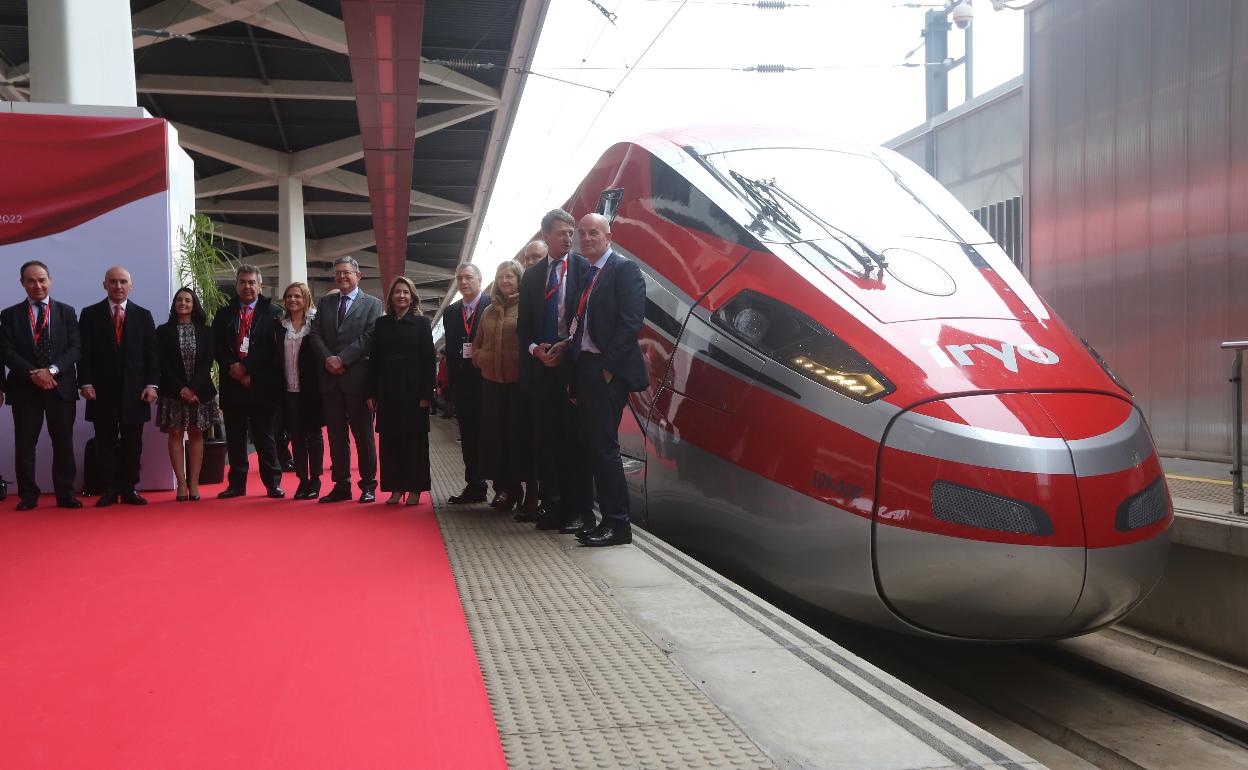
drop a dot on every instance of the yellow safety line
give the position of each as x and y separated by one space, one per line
1197 478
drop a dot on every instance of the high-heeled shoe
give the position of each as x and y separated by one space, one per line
509 498
395 498
182 497
413 498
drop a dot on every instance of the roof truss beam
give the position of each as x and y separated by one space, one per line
333 247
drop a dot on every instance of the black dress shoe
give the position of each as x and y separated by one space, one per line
27 503
339 494
551 520
528 517
471 494
594 531
578 524
277 493
367 496
313 491
106 499
133 498
229 492
68 502
612 534
288 466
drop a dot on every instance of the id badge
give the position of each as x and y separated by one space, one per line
467 350
245 346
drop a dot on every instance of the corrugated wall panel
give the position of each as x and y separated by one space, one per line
1138 195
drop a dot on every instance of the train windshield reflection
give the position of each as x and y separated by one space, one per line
827 193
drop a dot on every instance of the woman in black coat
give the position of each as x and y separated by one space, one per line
401 376
187 405
303 414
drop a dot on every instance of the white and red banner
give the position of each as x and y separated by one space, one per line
81 194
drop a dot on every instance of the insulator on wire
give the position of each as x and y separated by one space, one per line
769 69
770 5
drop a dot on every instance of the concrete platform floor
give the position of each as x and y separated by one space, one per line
638 656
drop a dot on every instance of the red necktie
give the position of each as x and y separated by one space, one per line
119 318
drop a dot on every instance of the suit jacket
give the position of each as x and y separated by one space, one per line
615 313
119 373
533 311
350 342
263 356
461 369
173 375
17 350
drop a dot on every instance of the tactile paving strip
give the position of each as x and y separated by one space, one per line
572 682
1205 491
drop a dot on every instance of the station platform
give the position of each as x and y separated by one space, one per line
638 656
1199 486
258 633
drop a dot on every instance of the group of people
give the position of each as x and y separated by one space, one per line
303 368
540 371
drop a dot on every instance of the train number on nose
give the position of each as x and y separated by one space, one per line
1004 353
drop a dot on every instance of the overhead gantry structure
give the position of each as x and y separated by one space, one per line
268 99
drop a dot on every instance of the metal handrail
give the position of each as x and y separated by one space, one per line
1237 438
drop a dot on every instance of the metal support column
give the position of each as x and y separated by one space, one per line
292 251
81 52
1237 438
936 51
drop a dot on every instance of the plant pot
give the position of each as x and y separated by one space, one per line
213 469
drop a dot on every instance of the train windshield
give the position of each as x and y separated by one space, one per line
802 194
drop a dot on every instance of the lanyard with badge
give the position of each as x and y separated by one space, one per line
580 306
38 330
465 351
244 331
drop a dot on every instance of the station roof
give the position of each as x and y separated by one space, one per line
264 90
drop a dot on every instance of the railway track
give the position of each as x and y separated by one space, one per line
1095 703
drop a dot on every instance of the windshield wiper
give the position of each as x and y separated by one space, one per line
760 193
869 257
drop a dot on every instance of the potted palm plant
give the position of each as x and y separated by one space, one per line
200 261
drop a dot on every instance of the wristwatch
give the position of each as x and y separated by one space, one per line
54 370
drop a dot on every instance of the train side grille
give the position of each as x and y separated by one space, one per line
971 507
1148 506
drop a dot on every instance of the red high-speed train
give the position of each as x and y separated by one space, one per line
856 396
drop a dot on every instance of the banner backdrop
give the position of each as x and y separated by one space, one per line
82 194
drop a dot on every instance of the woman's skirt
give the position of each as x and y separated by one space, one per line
506 452
404 457
173 412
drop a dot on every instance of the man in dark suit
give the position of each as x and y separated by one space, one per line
245 344
341 335
39 343
609 365
543 320
117 376
460 325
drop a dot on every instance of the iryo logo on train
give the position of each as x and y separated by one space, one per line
1007 355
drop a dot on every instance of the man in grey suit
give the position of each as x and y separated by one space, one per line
341 334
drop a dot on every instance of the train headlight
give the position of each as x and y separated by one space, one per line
863 386
797 341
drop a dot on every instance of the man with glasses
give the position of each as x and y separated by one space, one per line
244 341
341 334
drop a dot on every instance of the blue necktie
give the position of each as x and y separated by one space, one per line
550 325
580 316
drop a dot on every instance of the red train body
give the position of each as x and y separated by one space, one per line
857 397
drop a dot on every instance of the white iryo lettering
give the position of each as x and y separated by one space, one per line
1005 355
1008 355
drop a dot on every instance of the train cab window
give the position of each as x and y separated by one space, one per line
609 202
798 342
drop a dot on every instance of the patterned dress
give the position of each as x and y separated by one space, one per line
171 410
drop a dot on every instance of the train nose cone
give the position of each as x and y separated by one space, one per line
980 527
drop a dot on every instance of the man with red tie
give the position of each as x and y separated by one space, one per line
608 365
460 325
567 502
117 376
245 344
39 344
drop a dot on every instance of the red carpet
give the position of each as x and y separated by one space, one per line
246 633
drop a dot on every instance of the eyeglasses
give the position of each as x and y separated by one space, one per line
343 272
